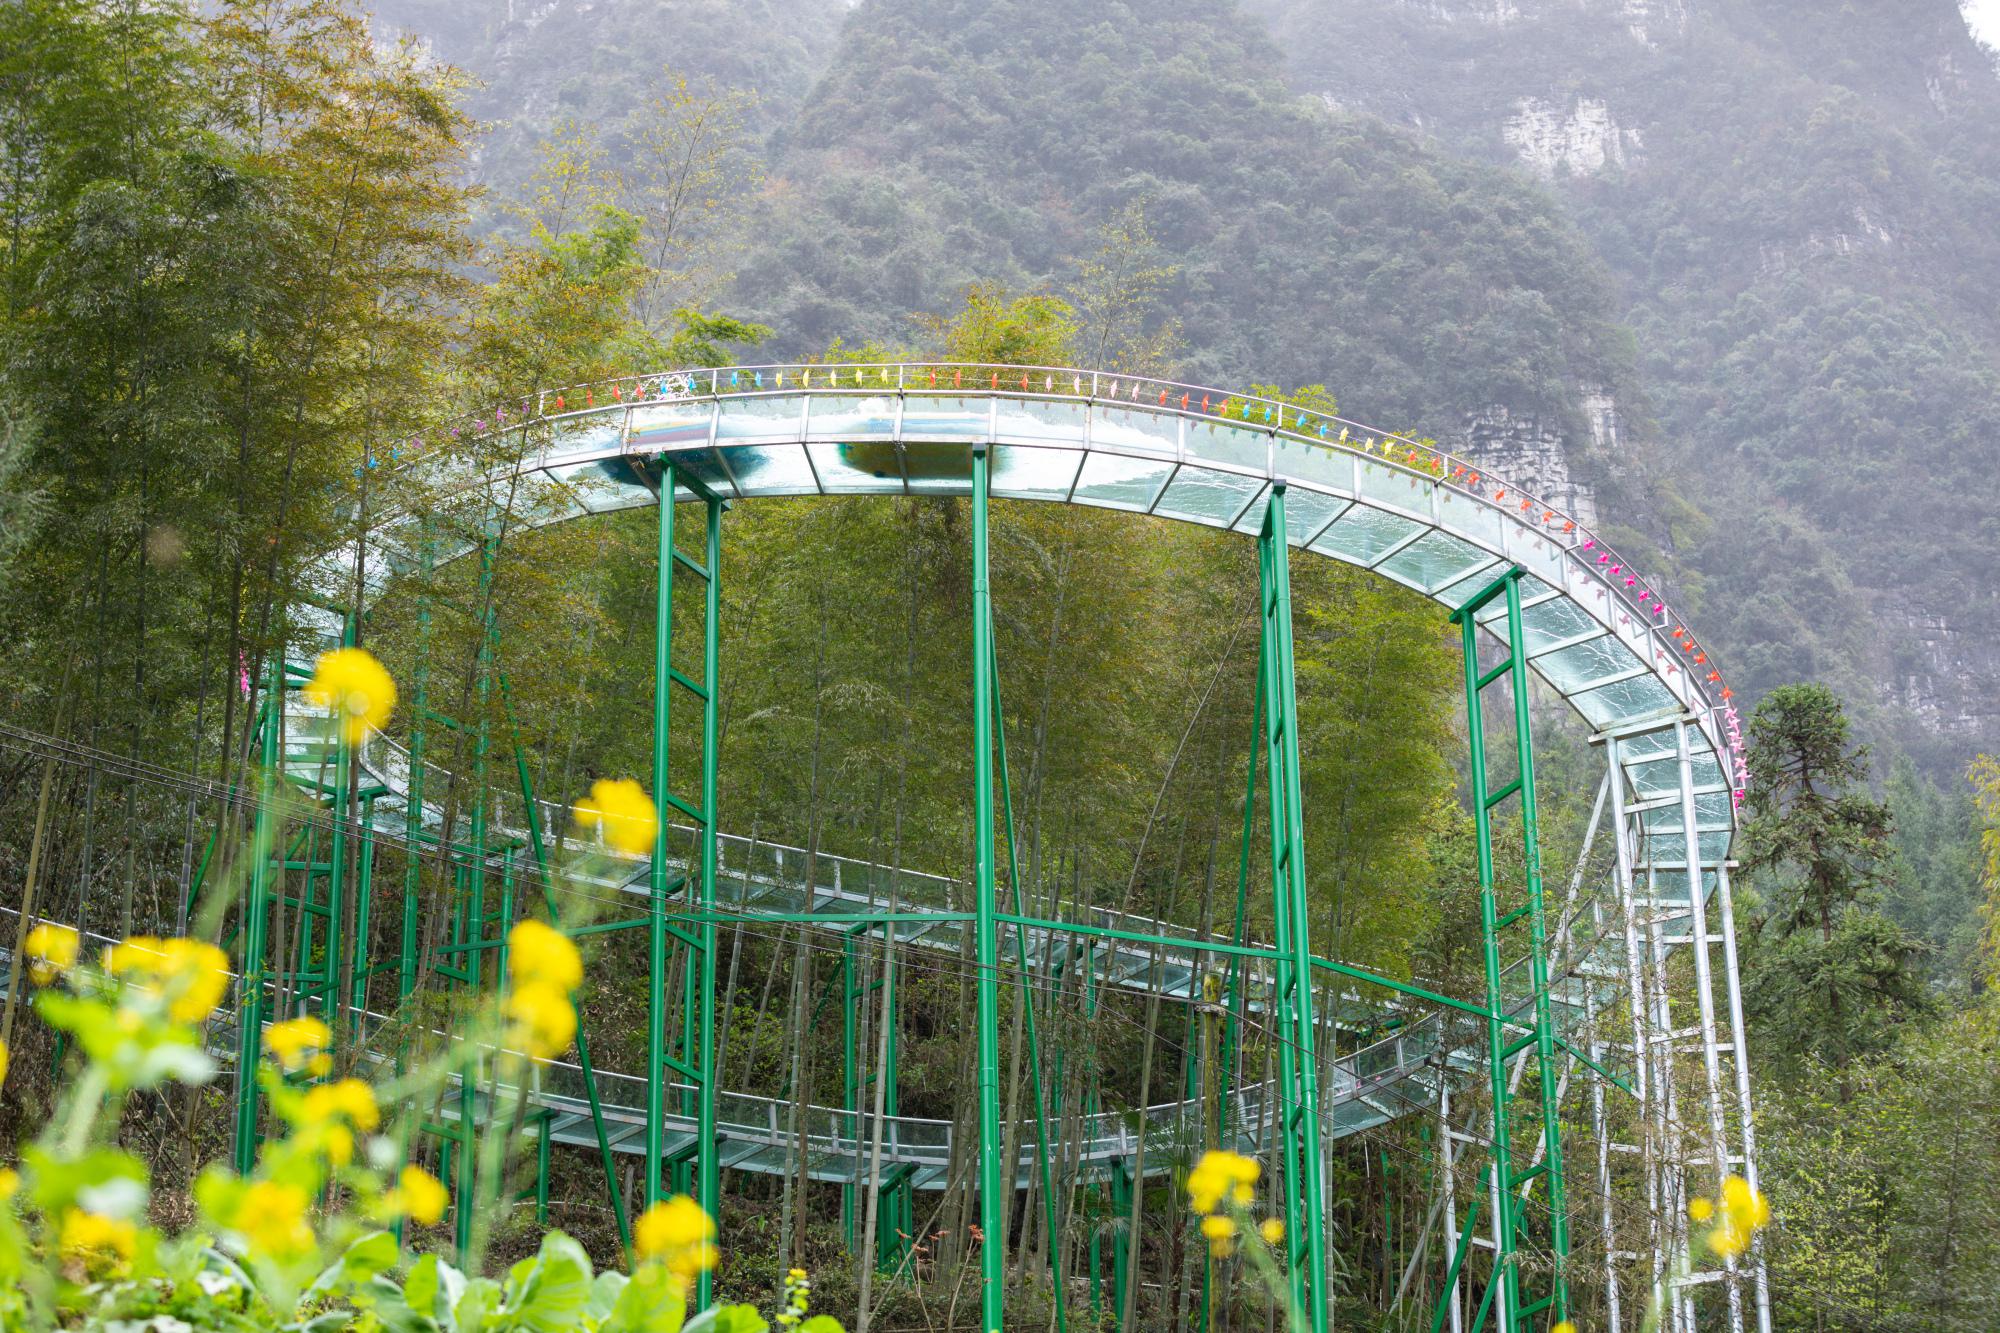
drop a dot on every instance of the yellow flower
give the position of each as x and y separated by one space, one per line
1701 1209
1272 1230
350 1099
1564 1327
623 811
1743 1213
542 1020
351 683
420 1196
272 1218
1220 1174
10 1182
5 1058
51 952
678 1234
192 974
100 1242
1220 1232
537 951
294 1040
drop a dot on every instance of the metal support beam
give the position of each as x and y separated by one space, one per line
993 1194
1303 1161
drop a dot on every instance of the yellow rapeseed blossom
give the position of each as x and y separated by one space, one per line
537 951
541 1020
1564 1327
677 1234
356 688
350 1099
295 1040
1220 1175
622 810
420 1197
51 952
5 1057
193 974
1272 1230
272 1218
1739 1214
99 1242
1220 1232
10 1182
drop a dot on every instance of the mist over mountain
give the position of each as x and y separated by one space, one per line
1721 273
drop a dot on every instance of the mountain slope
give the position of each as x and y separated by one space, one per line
1798 210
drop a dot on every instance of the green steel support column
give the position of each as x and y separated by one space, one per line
993 1195
698 1051
250 988
472 917
656 903
850 1079
1516 1309
1305 1240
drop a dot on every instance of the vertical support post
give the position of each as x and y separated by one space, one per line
250 986
697 1062
656 899
1738 1034
1299 1127
1515 1309
341 806
986 942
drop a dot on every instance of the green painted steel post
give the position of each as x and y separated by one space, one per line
708 1173
413 828
1538 961
250 986
656 907
1305 1238
1515 1310
993 1199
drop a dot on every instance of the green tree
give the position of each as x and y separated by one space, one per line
1830 975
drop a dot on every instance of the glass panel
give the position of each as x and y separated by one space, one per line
1306 512
1433 560
595 433
779 469
1233 445
1120 483
1040 421
1327 465
1553 621
540 499
1570 669
851 418
857 468
1625 701
1470 517
1533 551
701 465
1459 593
663 425
758 419
937 469
1362 534
605 485
1707 772
1036 474
1393 486
944 419
1208 497
1123 428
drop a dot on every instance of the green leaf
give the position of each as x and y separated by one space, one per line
821 1323
372 1254
546 1293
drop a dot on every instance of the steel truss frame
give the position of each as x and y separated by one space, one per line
334 870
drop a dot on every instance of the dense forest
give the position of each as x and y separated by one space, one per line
250 246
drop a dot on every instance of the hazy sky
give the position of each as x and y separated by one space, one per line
1983 17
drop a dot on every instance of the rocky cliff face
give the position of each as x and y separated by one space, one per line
1792 210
